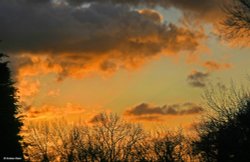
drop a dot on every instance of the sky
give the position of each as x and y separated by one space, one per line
148 61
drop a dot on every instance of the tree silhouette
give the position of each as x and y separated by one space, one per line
237 21
38 140
108 138
171 146
115 138
10 124
225 135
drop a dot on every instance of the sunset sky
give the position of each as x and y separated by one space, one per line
146 60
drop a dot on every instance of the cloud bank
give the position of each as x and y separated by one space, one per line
75 38
96 29
98 36
202 8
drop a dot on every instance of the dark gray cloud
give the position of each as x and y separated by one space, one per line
72 37
208 9
182 4
175 109
197 78
43 27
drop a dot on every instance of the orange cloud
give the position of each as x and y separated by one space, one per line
29 65
53 92
27 88
52 112
214 65
152 14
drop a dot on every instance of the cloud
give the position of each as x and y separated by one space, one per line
214 65
197 78
100 117
51 111
151 118
206 9
146 109
183 4
25 67
53 92
99 28
27 89
75 40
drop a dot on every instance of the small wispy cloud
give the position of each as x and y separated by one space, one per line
214 65
197 78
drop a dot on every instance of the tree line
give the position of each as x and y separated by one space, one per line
110 139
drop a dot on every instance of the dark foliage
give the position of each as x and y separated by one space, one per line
10 124
225 135
171 147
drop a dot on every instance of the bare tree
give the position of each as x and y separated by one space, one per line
171 146
109 139
116 139
38 140
237 21
224 133
65 139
